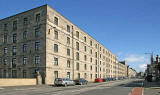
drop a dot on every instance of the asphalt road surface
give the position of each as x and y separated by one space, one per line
122 87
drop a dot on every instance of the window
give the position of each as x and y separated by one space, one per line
55 61
79 75
96 54
91 51
85 75
24 47
68 63
96 69
37 32
14 73
14 50
91 60
55 74
37 17
91 68
85 57
25 21
96 76
96 46
6 26
5 50
37 45
24 74
14 25
68 52
91 43
55 20
85 39
5 61
77 34
77 45
68 28
14 38
68 40
55 34
24 60
85 66
5 39
77 66
85 48
37 59
96 62
24 34
4 74
68 75
55 48
91 76
14 62
77 56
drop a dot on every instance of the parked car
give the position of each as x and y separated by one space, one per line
106 79
99 80
63 82
81 81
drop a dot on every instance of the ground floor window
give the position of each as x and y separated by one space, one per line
91 76
85 75
5 74
55 74
14 73
96 76
68 75
24 74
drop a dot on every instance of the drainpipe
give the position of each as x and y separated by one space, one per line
72 53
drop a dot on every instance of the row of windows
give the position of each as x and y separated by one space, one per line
25 22
37 30
14 61
69 74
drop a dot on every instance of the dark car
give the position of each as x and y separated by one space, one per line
106 79
149 78
81 81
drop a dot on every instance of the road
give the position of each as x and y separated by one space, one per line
123 87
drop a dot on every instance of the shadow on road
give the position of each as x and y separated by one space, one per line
133 84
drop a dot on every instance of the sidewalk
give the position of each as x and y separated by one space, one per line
151 88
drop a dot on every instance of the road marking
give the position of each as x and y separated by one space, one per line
137 91
1 88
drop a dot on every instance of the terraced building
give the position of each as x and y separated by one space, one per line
43 40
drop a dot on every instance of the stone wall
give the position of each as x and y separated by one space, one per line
17 82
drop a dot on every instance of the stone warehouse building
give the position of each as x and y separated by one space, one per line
43 40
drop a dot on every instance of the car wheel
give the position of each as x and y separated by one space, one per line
65 84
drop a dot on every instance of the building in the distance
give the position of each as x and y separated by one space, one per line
122 69
43 40
131 72
153 69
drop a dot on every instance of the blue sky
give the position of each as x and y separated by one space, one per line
129 28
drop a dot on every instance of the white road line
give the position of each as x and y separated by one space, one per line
1 88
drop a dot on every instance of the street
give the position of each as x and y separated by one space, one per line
120 87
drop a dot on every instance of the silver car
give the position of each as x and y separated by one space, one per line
63 82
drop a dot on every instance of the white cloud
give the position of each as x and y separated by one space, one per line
119 53
139 62
135 58
143 66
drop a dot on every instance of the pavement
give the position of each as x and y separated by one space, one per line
120 87
151 88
